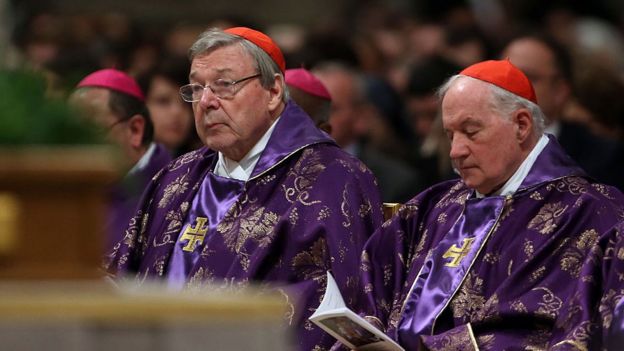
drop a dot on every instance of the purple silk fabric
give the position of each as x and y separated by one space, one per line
546 277
215 196
125 195
437 281
308 207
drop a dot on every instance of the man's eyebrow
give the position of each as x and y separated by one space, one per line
470 122
217 70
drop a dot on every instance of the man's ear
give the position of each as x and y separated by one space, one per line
523 121
276 92
136 128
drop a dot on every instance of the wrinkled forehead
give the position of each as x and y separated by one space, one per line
466 98
230 58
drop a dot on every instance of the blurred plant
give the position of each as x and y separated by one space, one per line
28 117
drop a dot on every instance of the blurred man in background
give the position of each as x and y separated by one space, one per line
115 102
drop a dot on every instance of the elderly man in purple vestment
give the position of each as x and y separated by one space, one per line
270 198
511 256
115 101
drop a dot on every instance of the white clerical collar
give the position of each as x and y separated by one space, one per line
517 178
242 169
144 160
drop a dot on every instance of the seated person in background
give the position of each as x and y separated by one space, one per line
172 116
548 65
270 199
115 102
511 255
309 93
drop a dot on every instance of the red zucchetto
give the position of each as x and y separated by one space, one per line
263 41
503 74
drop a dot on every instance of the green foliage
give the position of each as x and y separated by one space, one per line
28 117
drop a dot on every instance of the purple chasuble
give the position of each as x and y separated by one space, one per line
446 266
540 269
215 196
308 207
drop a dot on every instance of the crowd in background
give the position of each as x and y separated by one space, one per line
381 65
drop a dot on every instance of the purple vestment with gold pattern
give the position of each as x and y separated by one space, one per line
308 207
529 271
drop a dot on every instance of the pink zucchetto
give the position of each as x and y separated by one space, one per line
302 79
114 80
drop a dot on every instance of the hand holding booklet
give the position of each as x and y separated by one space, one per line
355 332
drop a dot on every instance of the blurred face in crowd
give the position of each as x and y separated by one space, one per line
537 61
172 116
422 112
344 114
125 132
486 148
233 125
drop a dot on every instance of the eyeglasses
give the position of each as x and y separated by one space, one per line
222 88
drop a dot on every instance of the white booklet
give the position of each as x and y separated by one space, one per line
355 332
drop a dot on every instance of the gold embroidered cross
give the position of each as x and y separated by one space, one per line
458 253
194 235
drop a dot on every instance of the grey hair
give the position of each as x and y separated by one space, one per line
504 102
214 38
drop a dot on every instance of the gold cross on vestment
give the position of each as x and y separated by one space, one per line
194 235
458 253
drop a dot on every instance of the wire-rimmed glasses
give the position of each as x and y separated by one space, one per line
222 88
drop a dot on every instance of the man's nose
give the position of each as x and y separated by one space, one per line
459 148
208 99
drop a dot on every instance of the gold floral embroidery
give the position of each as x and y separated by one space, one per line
131 232
293 217
571 262
305 173
536 196
408 210
538 339
365 209
159 265
387 274
186 158
572 185
607 306
588 239
442 218
469 303
528 249
602 189
537 274
550 304
546 220
365 265
578 338
492 257
200 278
174 189
324 213
454 195
267 179
452 340
518 306
344 209
313 264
